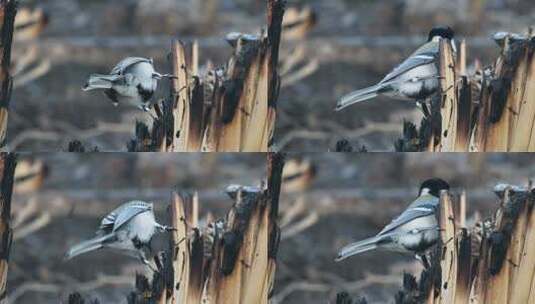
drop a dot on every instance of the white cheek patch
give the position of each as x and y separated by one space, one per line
425 191
453 45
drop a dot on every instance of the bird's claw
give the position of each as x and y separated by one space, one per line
146 109
147 263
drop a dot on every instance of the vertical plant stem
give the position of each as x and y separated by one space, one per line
8 10
7 172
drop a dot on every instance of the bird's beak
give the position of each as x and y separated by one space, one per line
168 228
159 76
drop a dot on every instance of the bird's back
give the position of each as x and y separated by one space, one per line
423 55
127 63
423 206
122 214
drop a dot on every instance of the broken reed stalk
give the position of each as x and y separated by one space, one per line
7 173
448 260
228 109
228 261
506 120
500 268
493 262
503 117
448 105
8 10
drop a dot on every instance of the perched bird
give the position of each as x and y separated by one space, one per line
415 230
416 78
132 81
129 228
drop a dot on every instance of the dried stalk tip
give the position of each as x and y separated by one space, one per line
500 189
233 191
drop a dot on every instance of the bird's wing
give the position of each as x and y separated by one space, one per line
121 215
427 53
128 62
422 206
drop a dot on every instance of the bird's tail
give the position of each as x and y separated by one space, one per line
358 247
99 81
358 96
86 246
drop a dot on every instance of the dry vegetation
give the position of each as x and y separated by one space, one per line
327 200
363 194
490 111
327 49
224 261
491 262
223 109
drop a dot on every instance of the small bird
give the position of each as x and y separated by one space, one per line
416 78
129 228
132 81
415 230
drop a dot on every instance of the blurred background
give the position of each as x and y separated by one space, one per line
328 200
58 206
336 47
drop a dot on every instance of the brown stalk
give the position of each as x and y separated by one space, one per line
491 263
520 255
504 118
448 91
449 257
8 10
228 109
7 171
231 262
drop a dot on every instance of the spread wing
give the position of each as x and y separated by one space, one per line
427 53
121 215
128 62
422 206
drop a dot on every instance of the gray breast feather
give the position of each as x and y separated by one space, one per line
128 62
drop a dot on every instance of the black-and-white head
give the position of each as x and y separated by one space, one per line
445 32
441 31
433 186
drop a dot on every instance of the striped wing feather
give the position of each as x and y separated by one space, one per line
121 215
128 62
